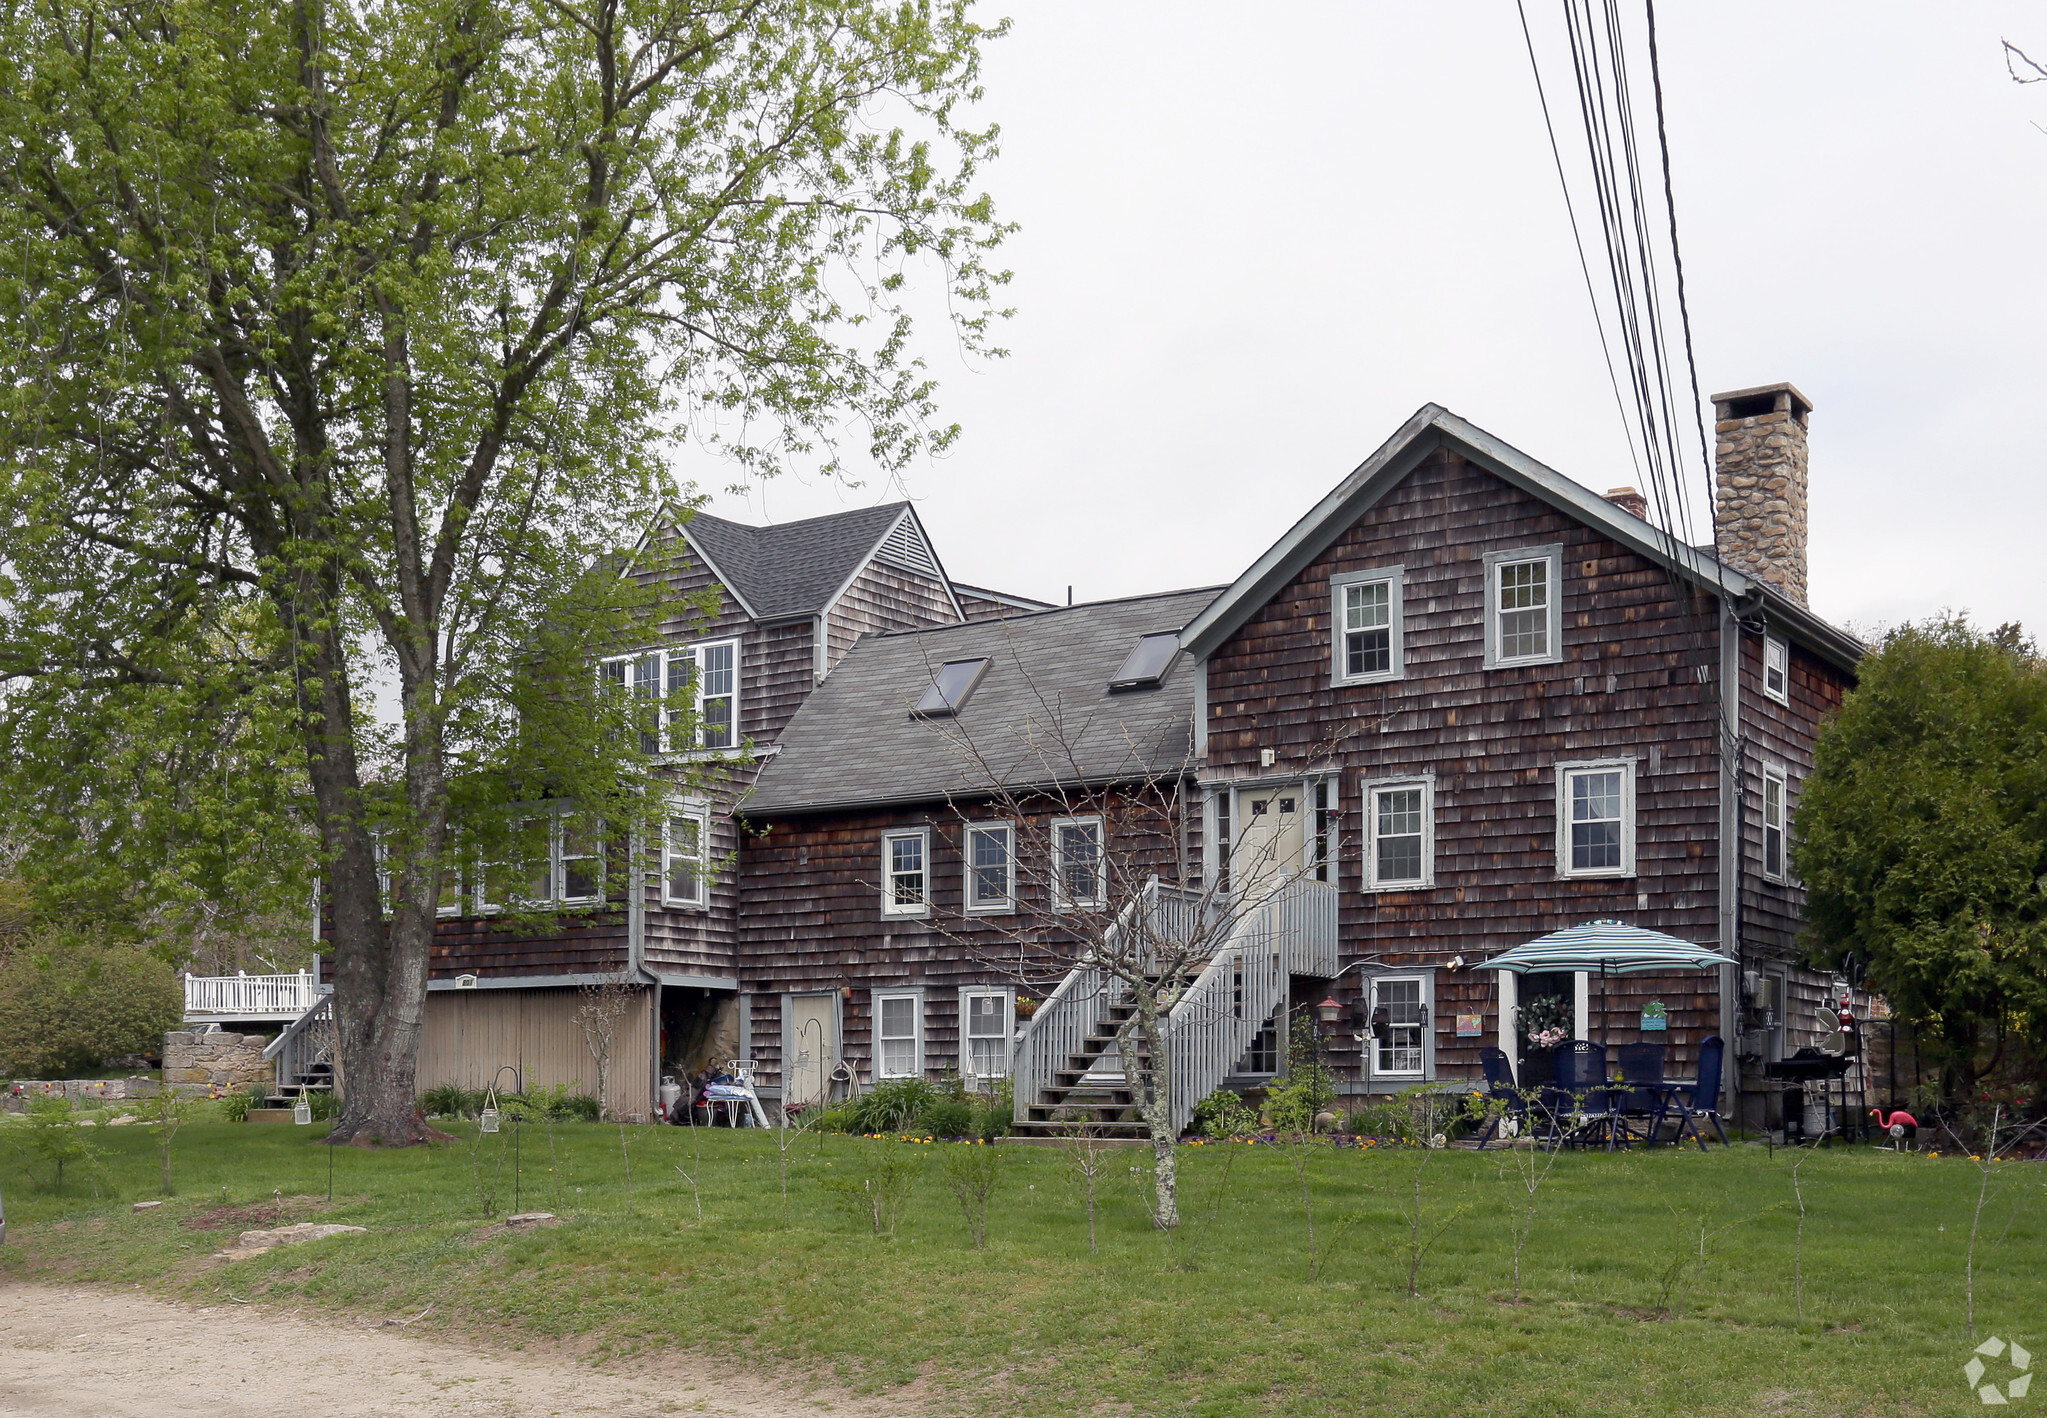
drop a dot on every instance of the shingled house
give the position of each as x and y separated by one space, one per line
1462 702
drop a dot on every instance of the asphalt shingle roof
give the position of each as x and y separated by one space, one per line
1042 713
793 568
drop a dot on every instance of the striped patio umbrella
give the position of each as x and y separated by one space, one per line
1607 947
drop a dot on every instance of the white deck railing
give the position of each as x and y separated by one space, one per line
250 996
298 1048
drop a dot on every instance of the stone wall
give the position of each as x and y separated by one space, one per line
83 1092
215 1060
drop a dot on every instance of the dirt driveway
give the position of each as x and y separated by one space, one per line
73 1352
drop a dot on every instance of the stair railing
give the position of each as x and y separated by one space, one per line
292 1051
1062 1024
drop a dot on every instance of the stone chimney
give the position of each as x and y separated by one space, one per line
1628 500
1760 476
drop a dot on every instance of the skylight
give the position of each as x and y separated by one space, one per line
1147 662
950 687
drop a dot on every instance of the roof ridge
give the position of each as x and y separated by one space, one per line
1048 610
759 527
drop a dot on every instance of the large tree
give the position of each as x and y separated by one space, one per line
342 346
1922 840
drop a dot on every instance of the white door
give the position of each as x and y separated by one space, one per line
1271 839
813 1048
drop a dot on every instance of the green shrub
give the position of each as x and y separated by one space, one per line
52 1134
893 1105
326 1105
994 1112
448 1100
235 1106
1224 1114
948 1117
68 1001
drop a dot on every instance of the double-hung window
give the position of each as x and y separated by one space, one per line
1080 871
899 1035
985 1026
684 843
1596 818
1776 811
1400 1040
1400 835
906 873
579 859
1366 613
1776 671
991 868
1524 607
703 677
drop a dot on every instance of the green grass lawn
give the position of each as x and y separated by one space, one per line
1222 1319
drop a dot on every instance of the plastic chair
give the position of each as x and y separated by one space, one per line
1502 1089
1700 1102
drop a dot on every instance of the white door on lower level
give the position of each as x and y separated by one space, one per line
813 1048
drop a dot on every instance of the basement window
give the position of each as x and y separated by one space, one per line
950 687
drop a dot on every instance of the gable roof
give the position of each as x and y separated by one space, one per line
1433 427
1041 714
802 568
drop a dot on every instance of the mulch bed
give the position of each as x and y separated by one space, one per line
260 1214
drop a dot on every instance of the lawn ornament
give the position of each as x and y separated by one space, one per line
1900 1126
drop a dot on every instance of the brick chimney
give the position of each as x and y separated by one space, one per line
1628 500
1760 475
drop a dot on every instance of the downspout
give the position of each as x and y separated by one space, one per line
1729 753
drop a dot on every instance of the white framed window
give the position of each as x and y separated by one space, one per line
380 853
1365 613
906 872
578 858
987 1023
1776 816
990 853
685 841
1596 818
707 678
899 1034
1400 1041
1400 834
454 891
1777 670
1080 868
1524 607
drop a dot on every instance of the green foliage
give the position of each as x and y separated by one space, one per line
1309 1087
877 1191
1921 838
1223 1114
69 1000
235 1106
450 1100
973 1170
167 1110
947 1109
325 1105
893 1105
52 1133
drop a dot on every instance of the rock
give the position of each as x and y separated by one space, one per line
145 1206
255 1243
533 1218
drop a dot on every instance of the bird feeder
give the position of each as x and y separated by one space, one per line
487 1120
302 1111
1328 1010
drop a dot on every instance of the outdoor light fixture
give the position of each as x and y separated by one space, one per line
1328 1010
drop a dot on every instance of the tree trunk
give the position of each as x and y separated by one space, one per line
1156 1095
380 969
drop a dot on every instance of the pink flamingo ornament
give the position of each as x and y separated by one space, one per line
1901 1125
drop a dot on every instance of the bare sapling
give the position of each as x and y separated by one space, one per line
1529 1165
1128 942
1805 1153
1988 1156
1695 1235
1206 1208
167 1111
1296 1103
604 1006
696 1167
973 1170
1087 1162
1424 1115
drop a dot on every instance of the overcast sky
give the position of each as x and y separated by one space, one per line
1255 239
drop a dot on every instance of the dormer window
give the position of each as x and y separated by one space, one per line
950 687
1147 662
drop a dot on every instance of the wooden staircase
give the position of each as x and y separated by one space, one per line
1060 1075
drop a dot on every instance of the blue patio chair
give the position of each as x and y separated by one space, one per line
1581 1091
1642 1065
1503 1090
1700 1102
